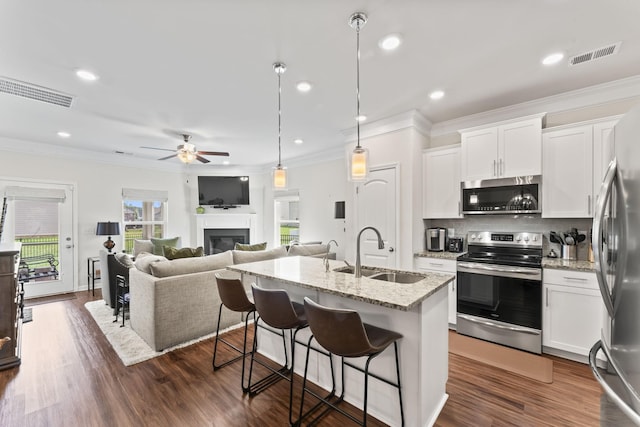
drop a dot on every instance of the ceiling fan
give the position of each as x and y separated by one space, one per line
187 153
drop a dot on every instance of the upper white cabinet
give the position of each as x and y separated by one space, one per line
575 159
503 150
441 183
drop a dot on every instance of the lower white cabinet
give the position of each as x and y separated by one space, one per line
437 265
572 312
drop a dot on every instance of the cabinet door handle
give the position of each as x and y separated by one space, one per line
546 297
500 168
459 210
453 286
494 168
589 204
579 279
437 264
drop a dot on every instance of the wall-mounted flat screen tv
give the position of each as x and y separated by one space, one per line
223 191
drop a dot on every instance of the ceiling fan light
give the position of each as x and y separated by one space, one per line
186 156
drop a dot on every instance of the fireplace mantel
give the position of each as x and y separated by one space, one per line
222 221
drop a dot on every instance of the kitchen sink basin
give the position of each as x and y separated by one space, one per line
366 271
397 277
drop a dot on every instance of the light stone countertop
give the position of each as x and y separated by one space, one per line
438 255
308 272
564 264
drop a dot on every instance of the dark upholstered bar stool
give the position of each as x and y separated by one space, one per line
341 332
234 298
276 310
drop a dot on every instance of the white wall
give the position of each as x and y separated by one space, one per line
98 197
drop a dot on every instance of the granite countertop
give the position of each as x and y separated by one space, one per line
308 272
564 264
439 255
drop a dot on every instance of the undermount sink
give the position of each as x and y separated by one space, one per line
366 271
387 276
397 277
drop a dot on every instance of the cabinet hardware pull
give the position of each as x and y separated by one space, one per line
589 204
581 279
546 297
453 286
494 168
500 168
439 264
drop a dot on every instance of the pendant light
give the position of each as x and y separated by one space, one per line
279 172
359 162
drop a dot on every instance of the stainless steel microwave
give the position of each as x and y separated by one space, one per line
518 195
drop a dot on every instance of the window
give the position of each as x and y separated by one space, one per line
144 215
287 218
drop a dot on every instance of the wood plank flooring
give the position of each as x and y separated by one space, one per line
70 376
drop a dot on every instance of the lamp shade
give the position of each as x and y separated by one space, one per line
108 229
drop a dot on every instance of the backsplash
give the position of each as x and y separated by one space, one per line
517 223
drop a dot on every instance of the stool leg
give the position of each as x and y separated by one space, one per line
304 379
244 348
366 389
395 347
215 346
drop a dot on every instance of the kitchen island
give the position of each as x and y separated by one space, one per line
416 310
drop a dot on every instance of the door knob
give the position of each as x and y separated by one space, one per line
68 246
391 249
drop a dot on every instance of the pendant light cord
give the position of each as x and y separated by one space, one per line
358 82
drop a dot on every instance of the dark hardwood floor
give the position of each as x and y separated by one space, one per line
70 376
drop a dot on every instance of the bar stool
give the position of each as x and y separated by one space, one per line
342 332
276 310
234 298
122 297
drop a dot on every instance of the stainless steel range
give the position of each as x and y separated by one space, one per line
499 292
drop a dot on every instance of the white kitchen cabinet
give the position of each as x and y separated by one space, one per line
444 266
441 183
567 173
503 150
603 152
572 312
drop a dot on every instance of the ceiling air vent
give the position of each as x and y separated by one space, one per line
592 55
31 91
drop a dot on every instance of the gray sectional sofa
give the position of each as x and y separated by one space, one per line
175 301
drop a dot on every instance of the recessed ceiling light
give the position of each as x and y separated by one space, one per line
361 118
226 162
298 141
390 42
63 134
436 94
86 75
554 58
304 86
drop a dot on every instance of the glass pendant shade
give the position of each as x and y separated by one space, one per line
359 164
279 178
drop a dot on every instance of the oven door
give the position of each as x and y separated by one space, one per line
502 293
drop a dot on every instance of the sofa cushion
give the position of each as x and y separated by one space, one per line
124 259
307 250
191 265
255 247
159 243
140 246
144 261
174 253
241 257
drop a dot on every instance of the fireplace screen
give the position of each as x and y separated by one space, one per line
217 240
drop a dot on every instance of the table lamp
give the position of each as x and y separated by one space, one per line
108 229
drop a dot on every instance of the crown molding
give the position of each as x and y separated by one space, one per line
604 93
409 119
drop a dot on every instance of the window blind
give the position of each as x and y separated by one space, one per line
145 195
35 193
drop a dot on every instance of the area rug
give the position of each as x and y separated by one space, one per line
128 345
529 365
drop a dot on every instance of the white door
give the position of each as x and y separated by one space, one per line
40 215
377 205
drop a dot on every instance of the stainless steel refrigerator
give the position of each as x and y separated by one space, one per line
616 246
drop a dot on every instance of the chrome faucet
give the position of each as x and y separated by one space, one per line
358 270
325 260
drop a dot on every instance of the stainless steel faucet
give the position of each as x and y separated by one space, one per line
358 270
325 260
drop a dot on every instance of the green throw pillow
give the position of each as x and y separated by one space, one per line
159 243
257 247
174 253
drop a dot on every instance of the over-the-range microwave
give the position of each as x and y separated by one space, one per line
518 195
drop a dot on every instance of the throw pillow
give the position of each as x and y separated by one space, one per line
255 247
124 259
174 253
159 243
307 250
140 246
241 257
192 265
143 263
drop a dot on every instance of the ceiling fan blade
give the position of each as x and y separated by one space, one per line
213 153
202 159
154 148
168 157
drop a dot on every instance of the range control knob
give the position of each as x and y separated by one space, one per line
473 237
535 238
518 238
526 238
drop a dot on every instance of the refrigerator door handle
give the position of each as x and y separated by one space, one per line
598 254
629 412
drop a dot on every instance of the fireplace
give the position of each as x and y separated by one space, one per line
217 240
